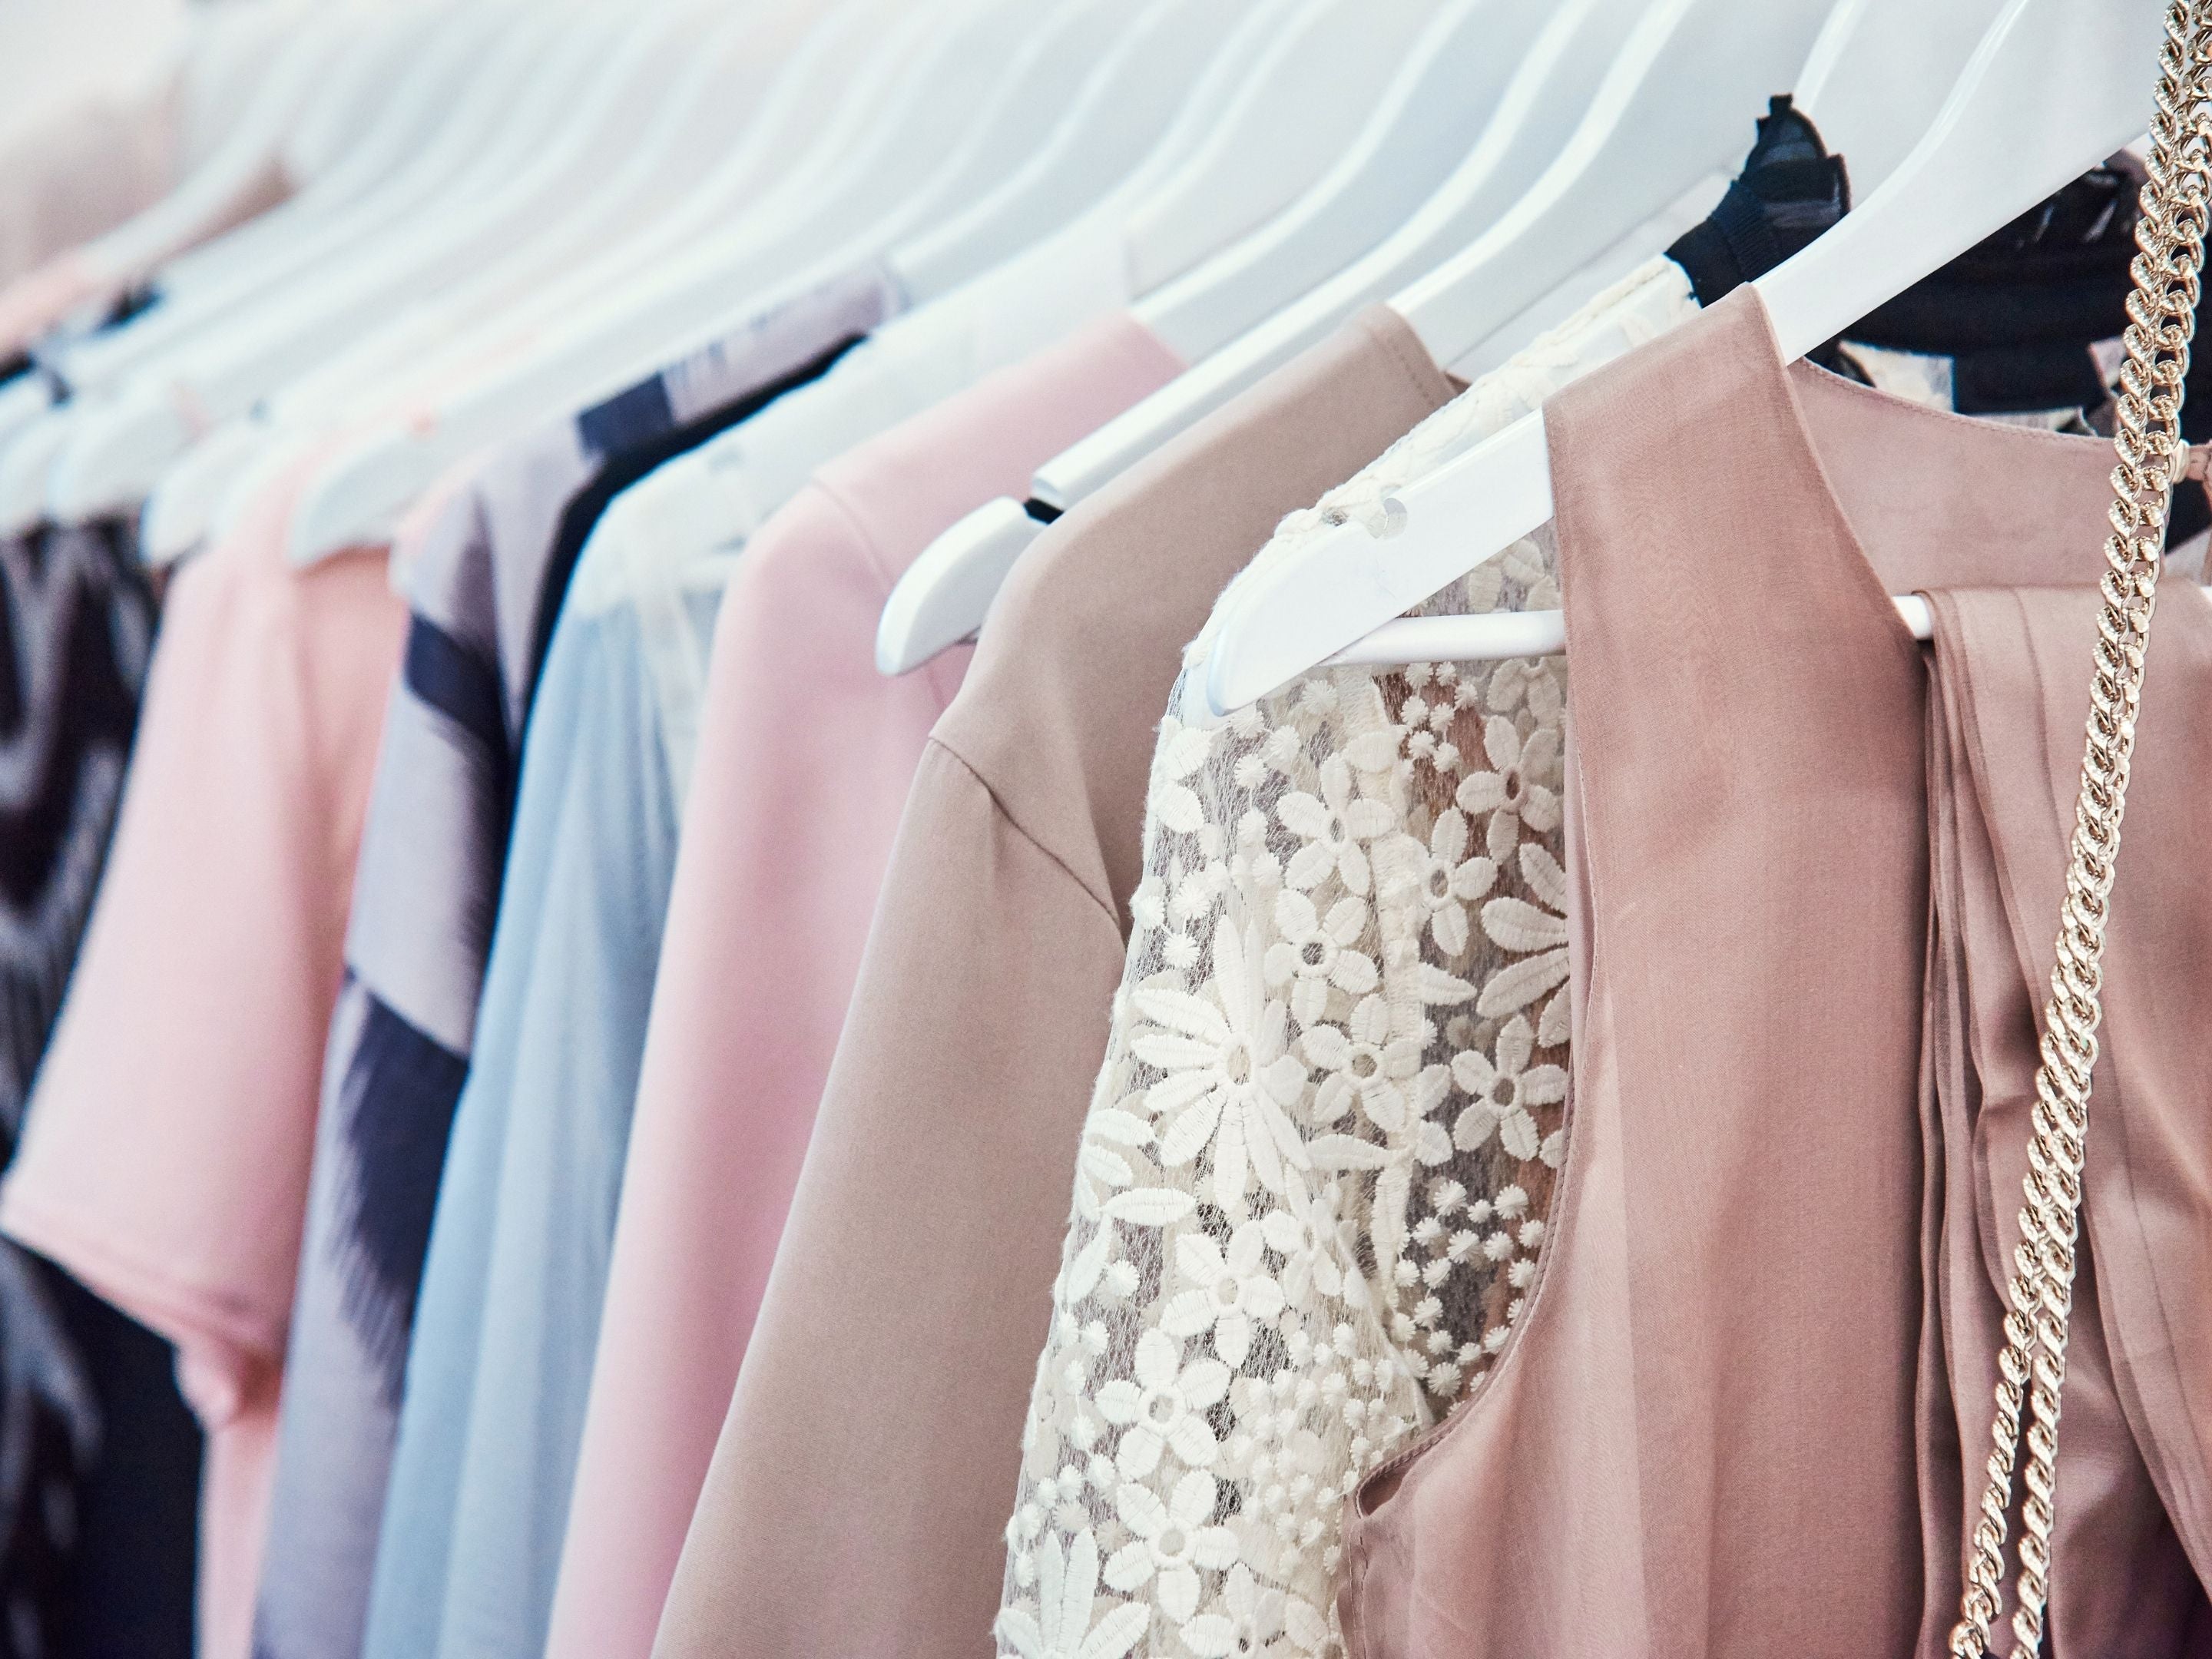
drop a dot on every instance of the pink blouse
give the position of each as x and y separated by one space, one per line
164 1161
804 759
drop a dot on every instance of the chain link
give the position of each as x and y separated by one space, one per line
2162 312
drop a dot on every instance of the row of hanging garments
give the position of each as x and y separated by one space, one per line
671 664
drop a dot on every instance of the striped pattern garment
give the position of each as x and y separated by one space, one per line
485 568
78 631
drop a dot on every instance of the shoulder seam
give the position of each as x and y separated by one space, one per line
998 803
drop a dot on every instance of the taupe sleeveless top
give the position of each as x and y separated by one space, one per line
1731 1420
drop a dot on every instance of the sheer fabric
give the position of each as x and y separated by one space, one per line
1316 1173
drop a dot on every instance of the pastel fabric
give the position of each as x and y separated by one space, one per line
166 1160
506 1320
1309 1242
1404 1236
1840 1235
787 832
729 488
485 566
929 1208
2134 1549
496 1550
501 1359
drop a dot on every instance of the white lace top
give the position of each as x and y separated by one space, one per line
1314 1179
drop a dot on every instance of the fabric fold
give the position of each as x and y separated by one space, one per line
2009 674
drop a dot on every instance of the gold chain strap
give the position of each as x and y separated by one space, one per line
2161 312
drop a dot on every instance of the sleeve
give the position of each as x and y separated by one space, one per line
1312 1180
166 1157
882 1395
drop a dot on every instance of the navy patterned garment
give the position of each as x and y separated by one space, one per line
484 580
89 1404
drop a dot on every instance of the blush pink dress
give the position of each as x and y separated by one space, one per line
1730 1420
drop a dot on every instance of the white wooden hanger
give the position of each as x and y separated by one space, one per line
471 95
818 109
707 105
1047 76
751 87
710 109
240 170
1545 98
1120 117
1144 110
22 400
1248 56
1671 111
522 39
1884 67
709 99
1325 68
1307 101
784 142
943 595
2055 86
395 37
226 50
1430 117
344 159
1018 304
213 63
927 84
813 109
116 453
942 74
1879 73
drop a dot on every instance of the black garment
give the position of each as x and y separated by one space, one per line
2016 313
1791 189
2019 314
99 1457
126 1591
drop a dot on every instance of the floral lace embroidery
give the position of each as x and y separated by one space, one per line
1313 1182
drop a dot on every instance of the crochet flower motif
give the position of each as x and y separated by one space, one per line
1231 1293
1227 1079
1535 930
1318 1161
1305 1222
1506 1089
1256 1623
1335 1082
1165 1407
1521 787
1059 1625
1173 1539
1314 954
1335 828
1443 879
